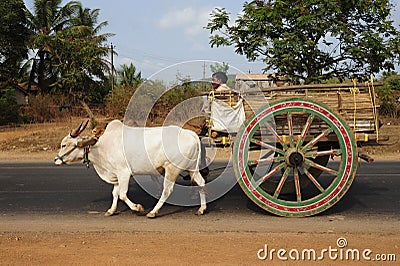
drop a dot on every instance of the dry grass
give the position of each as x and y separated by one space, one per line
40 142
34 142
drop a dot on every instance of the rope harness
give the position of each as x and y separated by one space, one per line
86 156
61 157
371 90
86 151
354 91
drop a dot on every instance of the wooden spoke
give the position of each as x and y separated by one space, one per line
281 182
290 127
320 167
305 130
280 140
267 146
315 182
297 184
274 159
271 173
314 154
310 144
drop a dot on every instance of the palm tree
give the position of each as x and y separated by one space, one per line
47 19
86 19
82 71
127 76
13 41
70 52
84 23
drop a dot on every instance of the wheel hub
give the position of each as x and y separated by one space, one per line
294 157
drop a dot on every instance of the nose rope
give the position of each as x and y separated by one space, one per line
60 157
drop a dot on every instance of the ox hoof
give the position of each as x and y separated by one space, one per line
108 213
151 215
200 212
139 208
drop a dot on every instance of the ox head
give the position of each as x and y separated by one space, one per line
72 146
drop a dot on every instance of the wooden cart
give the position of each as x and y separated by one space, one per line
296 153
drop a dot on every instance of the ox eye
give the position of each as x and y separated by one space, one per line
63 146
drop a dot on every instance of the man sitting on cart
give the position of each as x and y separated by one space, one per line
218 81
218 84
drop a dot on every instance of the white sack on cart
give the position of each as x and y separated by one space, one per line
226 118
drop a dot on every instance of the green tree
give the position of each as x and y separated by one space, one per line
312 40
71 52
78 61
85 20
9 111
47 19
79 53
217 67
127 76
389 94
13 41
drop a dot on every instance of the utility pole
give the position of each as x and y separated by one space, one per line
204 70
112 67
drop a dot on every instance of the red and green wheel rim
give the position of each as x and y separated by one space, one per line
305 131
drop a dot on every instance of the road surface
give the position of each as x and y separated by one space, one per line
54 212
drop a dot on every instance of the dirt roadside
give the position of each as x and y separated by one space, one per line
192 248
183 239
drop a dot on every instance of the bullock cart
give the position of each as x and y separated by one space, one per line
296 152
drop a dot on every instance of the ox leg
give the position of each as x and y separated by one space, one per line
113 207
169 182
158 184
199 180
123 190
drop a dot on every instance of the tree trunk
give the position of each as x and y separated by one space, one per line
41 70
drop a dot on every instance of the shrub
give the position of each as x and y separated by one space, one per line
46 108
117 101
9 109
389 94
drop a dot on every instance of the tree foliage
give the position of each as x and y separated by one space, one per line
9 111
70 52
78 62
389 94
312 40
217 67
13 40
128 76
47 19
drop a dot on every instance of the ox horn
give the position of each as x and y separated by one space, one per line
87 142
79 130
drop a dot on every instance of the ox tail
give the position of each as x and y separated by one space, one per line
201 159
199 148
201 163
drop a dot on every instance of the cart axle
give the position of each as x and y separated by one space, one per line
365 157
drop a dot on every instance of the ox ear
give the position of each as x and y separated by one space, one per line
79 130
87 142
99 130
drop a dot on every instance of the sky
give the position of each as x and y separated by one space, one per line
156 34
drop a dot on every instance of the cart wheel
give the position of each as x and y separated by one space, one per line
293 154
288 187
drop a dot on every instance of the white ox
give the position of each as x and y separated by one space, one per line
146 156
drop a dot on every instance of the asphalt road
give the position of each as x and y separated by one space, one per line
42 188
54 215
